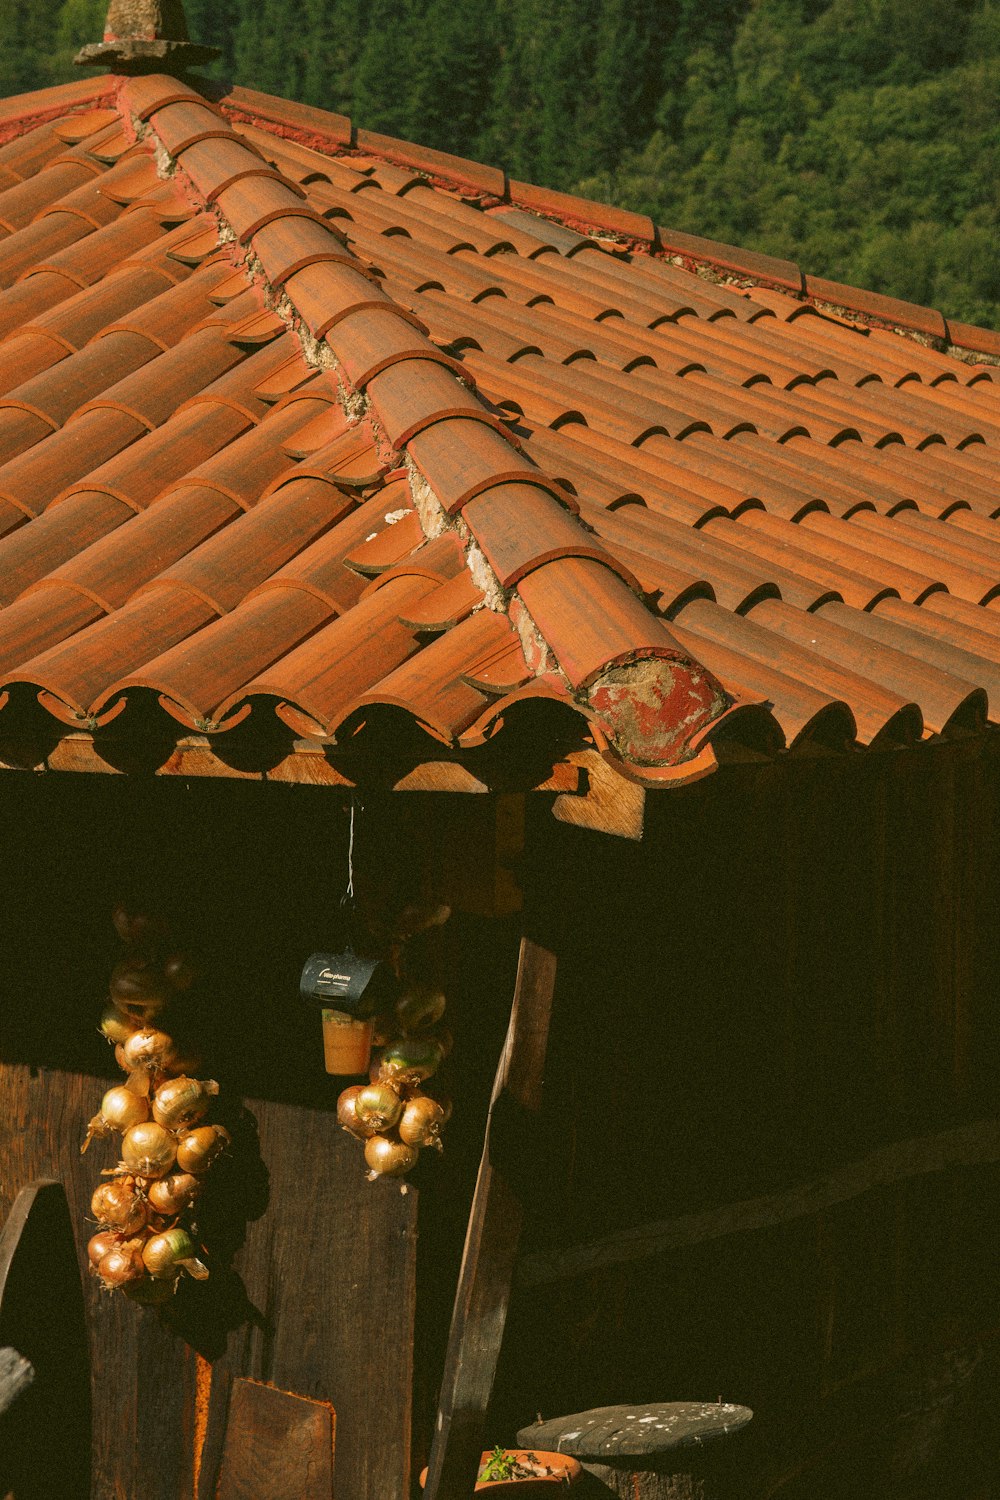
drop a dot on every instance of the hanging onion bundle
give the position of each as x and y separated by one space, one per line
392 1114
145 1238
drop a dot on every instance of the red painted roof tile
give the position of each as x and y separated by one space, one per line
202 512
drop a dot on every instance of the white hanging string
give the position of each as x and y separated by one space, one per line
349 893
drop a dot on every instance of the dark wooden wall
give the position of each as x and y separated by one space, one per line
314 1269
794 972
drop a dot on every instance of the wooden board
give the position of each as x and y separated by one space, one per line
41 1315
277 1445
324 1302
492 1241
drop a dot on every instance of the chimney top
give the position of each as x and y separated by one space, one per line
145 36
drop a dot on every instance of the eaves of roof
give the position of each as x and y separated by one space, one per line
307 436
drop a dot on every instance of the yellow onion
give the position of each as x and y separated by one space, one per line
347 1115
420 1006
446 1106
145 1053
122 1265
421 1122
172 1195
388 1158
165 1255
139 989
117 1027
118 1205
378 1105
137 926
99 1244
197 1149
120 1109
181 1101
148 1150
410 1059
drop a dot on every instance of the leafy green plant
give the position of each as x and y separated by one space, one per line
499 1465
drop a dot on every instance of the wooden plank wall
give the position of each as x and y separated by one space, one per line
796 969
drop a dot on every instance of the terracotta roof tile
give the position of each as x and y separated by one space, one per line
402 442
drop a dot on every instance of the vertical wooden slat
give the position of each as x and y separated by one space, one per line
491 1244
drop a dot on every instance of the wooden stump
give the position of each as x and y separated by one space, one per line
664 1451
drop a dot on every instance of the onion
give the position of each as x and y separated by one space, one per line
147 1052
178 972
347 1115
421 1122
197 1150
411 1059
118 1205
166 1254
172 1195
148 1150
116 1027
445 1104
137 926
99 1244
378 1105
120 1109
122 1265
420 1006
388 1158
139 989
181 1101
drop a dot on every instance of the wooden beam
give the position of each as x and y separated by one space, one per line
968 1145
609 804
492 1238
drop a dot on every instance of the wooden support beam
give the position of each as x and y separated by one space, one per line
492 1238
977 1144
609 803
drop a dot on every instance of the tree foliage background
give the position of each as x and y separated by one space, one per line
858 137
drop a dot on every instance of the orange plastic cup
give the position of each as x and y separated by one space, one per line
347 1043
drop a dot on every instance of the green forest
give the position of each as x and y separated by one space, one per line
857 137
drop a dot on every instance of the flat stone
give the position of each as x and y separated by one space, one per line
618 1432
144 55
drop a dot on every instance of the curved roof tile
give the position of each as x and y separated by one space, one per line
310 429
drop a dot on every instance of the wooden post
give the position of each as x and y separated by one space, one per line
492 1238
